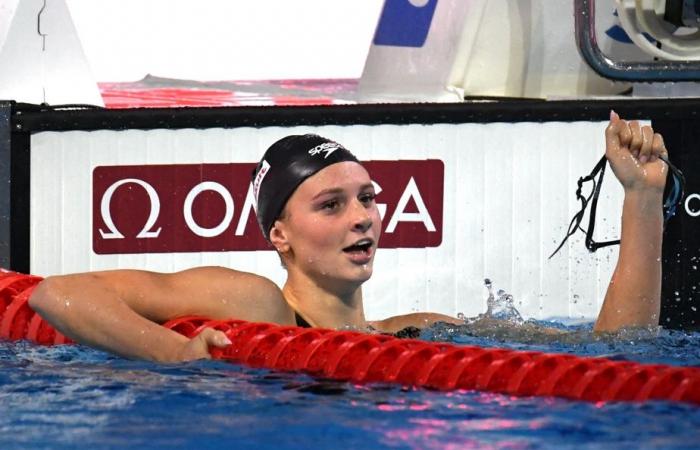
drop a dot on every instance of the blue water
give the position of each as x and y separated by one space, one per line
75 397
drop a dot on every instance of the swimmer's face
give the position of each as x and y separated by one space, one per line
331 225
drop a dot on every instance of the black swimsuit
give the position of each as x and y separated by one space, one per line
300 321
409 332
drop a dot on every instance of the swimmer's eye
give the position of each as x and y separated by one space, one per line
330 205
368 198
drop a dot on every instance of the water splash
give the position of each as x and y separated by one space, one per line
503 326
500 306
501 323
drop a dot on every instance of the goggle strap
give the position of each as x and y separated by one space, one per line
675 198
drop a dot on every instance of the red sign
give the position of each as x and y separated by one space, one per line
209 207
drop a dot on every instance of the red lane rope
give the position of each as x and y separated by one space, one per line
361 357
17 319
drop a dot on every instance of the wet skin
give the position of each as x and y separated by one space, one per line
324 219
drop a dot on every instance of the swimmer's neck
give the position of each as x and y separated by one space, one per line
323 307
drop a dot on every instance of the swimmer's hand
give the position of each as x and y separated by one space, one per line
198 346
633 153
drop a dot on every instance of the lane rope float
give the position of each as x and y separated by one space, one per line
363 358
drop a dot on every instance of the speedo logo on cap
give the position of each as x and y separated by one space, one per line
259 178
327 147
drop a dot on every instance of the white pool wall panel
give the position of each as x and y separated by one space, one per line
508 199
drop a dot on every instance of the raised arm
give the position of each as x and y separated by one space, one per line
120 311
634 292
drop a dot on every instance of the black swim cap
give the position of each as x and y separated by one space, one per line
284 166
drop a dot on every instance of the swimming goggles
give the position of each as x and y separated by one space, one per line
673 199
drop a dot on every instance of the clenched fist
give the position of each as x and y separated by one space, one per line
633 152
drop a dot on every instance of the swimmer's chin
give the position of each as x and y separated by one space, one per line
367 271
361 274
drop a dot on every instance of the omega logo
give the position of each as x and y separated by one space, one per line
152 216
410 192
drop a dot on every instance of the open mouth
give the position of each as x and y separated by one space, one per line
362 246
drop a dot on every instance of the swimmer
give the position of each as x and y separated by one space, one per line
316 206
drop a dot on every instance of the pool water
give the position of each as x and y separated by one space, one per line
69 397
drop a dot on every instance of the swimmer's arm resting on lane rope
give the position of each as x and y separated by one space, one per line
120 311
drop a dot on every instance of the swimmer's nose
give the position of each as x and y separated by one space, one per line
362 221
363 225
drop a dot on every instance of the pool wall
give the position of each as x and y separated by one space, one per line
468 191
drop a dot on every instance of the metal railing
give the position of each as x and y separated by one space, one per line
649 71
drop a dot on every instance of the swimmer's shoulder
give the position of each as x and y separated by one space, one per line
235 294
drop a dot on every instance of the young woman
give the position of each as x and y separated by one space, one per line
315 205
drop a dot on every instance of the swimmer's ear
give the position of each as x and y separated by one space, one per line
278 237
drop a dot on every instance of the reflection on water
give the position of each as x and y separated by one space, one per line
74 397
648 346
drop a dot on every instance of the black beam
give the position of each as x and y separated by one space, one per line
33 118
19 213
